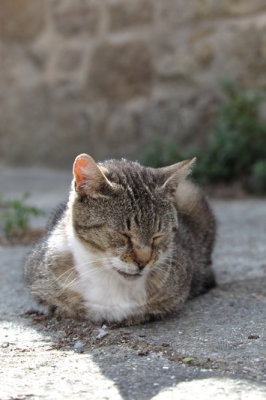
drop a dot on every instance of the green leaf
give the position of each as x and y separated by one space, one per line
187 359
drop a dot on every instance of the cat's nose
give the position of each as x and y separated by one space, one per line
142 256
141 264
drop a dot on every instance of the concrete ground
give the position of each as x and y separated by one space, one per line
213 349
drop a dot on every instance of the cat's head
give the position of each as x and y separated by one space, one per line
126 212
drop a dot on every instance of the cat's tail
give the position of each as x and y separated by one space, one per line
196 211
192 203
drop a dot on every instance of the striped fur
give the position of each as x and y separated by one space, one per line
131 244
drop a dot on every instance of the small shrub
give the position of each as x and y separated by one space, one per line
238 140
15 215
257 180
236 149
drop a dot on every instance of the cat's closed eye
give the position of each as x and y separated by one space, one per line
125 235
157 238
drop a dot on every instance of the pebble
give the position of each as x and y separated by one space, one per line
253 337
101 333
79 347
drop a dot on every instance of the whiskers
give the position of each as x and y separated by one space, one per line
76 277
161 270
71 276
83 271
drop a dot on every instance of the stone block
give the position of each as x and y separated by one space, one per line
127 14
120 72
123 132
245 51
178 12
68 60
239 7
214 8
179 119
74 132
204 55
76 17
181 12
263 42
48 129
25 137
176 66
21 20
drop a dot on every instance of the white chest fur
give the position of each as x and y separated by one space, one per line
106 294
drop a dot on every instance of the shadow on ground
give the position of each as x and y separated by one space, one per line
215 343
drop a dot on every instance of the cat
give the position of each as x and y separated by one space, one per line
130 245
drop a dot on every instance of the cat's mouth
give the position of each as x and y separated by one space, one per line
128 275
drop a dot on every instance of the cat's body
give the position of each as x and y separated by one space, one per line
131 244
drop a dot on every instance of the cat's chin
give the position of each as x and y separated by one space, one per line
128 276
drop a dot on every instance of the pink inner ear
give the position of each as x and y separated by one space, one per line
81 165
87 174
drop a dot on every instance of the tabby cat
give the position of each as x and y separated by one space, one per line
131 244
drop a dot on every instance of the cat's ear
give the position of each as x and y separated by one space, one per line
89 177
174 174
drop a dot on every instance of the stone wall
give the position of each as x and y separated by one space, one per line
108 76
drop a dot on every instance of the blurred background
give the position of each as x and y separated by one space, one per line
153 80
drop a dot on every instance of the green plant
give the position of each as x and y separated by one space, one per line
257 181
236 149
15 215
238 140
